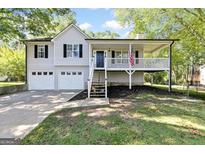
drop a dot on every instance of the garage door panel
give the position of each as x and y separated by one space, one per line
70 80
41 80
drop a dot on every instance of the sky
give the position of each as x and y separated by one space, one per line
99 20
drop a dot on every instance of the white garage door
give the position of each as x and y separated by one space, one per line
70 80
41 80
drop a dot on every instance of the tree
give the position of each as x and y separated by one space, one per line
12 63
22 23
105 35
185 24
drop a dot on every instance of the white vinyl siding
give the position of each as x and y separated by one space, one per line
72 37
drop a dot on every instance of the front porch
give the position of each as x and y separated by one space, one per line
129 55
140 64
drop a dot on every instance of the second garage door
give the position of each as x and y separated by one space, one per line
70 80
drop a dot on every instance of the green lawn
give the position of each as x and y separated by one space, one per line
6 84
139 119
200 93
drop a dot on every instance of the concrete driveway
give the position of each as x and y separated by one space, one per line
21 112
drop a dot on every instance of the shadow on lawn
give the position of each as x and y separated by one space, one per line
125 121
158 105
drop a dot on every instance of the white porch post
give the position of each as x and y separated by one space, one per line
89 59
89 54
105 63
130 74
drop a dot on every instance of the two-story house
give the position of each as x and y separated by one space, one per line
72 60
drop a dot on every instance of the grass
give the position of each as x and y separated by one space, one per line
145 118
6 84
200 94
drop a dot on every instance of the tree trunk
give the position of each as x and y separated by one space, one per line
192 75
187 80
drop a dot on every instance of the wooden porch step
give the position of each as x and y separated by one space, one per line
97 95
98 86
99 92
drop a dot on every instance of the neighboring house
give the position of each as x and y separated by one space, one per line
72 60
3 78
198 77
202 75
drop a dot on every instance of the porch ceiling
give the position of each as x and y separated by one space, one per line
147 47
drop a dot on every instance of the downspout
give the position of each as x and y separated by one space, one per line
26 62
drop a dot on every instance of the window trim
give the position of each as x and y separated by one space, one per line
41 54
68 50
120 59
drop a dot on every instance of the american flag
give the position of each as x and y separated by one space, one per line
132 61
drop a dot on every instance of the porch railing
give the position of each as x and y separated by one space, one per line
90 78
141 63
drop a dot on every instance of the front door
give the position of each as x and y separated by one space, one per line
100 59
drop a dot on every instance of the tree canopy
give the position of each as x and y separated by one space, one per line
106 35
12 63
184 24
18 23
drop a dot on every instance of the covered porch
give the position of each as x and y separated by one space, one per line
130 55
115 54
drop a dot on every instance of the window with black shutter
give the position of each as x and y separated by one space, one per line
64 50
35 51
80 50
40 51
137 56
73 51
46 51
113 56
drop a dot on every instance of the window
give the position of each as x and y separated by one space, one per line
68 73
121 57
41 51
33 73
73 73
50 73
118 56
75 50
39 73
69 50
44 73
62 73
72 50
79 73
124 57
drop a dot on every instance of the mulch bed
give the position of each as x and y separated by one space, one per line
124 92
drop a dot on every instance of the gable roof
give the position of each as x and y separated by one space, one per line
68 27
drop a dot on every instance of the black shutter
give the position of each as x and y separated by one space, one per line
80 50
35 51
64 51
137 56
113 56
46 51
